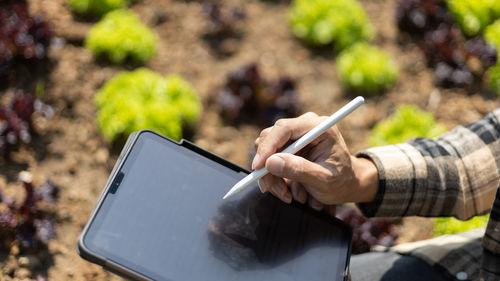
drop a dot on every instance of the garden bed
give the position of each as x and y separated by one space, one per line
70 150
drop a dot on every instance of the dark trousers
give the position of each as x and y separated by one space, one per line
389 266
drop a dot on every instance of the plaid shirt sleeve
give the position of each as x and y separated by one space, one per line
456 174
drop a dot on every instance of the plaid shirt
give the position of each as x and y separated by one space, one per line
457 174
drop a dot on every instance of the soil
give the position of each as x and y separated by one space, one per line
70 150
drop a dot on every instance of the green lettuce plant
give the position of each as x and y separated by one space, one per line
474 15
492 34
143 99
495 8
452 225
96 7
324 22
365 68
493 78
407 122
121 35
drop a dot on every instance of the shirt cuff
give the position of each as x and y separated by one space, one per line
398 166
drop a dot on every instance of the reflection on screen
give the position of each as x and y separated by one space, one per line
168 221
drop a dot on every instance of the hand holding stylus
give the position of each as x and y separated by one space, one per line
298 144
322 173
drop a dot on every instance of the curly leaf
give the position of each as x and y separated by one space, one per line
323 22
121 35
366 68
143 99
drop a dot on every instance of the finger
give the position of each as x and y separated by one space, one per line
283 131
279 189
265 183
265 131
298 192
261 185
262 135
294 187
287 196
296 168
315 204
275 186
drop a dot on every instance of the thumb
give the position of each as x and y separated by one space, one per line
297 168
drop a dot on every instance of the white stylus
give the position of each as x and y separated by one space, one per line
299 144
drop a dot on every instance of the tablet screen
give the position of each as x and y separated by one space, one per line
167 221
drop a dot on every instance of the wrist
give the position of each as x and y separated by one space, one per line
366 175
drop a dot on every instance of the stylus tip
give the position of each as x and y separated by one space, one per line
227 195
233 190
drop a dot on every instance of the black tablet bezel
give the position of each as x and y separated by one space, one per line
126 272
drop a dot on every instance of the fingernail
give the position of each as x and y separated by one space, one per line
261 186
275 165
277 190
255 161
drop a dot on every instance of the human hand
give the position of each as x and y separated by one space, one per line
323 173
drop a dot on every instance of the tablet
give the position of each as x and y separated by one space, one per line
161 217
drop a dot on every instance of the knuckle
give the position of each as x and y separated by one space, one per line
264 132
265 148
281 123
310 114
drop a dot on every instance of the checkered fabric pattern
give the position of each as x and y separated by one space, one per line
456 174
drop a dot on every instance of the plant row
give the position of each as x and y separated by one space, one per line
26 215
120 36
345 27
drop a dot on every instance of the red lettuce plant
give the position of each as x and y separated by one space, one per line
22 37
16 125
367 233
26 222
248 97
